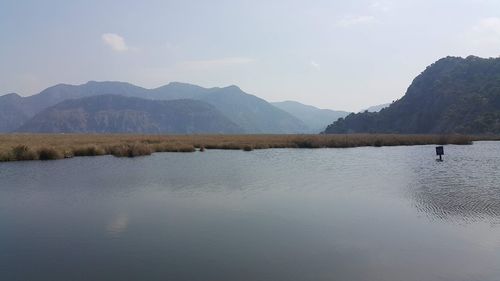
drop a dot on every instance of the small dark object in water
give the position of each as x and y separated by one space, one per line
440 152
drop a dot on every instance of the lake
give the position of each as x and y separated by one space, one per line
389 213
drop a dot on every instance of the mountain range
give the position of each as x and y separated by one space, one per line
453 95
120 114
66 108
315 118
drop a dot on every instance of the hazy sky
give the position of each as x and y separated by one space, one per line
331 54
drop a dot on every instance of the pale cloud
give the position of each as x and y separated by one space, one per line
484 37
215 63
171 46
315 64
355 20
380 6
115 42
489 26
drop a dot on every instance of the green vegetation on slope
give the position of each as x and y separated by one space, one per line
453 95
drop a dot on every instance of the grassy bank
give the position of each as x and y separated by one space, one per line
17 147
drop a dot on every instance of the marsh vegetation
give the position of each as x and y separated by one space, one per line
20 147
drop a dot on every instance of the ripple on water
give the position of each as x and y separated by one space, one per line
465 187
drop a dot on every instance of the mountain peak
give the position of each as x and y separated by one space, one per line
10 95
234 87
108 83
179 86
182 84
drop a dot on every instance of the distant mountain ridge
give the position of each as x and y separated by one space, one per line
120 114
12 113
253 114
376 108
315 118
453 95
250 113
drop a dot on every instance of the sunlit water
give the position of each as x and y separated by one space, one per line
390 213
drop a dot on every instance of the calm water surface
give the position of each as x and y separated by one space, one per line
389 213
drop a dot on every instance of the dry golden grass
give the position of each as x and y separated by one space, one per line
16 147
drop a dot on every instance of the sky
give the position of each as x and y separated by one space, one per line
345 55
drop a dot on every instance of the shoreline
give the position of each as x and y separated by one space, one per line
25 147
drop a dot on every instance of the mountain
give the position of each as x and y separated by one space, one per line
315 118
120 114
376 108
58 93
12 112
252 114
61 92
15 110
453 95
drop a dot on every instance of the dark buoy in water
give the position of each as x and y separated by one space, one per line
440 152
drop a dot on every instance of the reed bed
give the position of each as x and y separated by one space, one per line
20 147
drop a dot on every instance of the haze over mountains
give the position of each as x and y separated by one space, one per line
376 108
13 113
315 118
227 110
453 95
120 114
